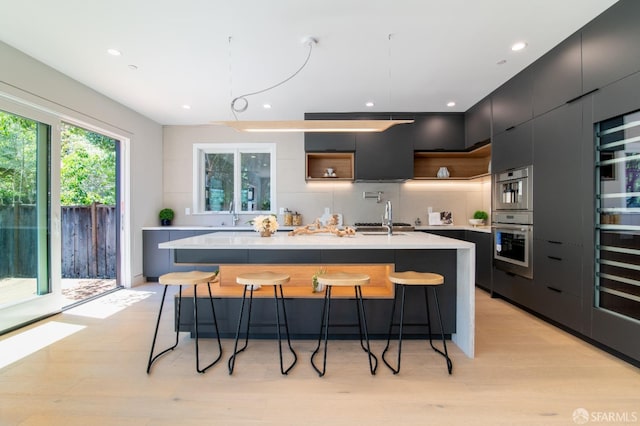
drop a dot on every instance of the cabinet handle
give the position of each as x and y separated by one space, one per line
554 242
582 96
557 290
509 128
554 258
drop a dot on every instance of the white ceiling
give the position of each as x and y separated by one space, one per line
404 55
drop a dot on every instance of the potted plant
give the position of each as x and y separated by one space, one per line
317 287
166 216
479 218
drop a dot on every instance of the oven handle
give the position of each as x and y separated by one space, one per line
513 227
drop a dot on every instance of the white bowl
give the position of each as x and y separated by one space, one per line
476 222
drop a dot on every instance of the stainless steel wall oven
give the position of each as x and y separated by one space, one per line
512 221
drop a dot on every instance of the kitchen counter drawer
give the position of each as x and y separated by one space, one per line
563 308
558 266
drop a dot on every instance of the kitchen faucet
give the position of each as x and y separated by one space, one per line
234 215
387 218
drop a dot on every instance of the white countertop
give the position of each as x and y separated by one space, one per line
484 229
282 241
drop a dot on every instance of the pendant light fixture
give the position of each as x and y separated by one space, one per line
240 104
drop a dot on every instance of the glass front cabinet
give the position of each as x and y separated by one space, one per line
617 274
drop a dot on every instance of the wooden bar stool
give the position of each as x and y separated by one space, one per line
343 279
250 281
193 278
424 280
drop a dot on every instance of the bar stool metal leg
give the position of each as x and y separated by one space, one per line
445 354
155 334
400 326
373 361
195 316
236 351
324 323
286 326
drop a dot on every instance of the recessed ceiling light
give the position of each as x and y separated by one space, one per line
114 52
266 106
185 106
451 104
369 104
518 46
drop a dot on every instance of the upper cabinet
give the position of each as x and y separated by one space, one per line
438 131
328 142
610 45
477 123
385 156
511 102
513 148
557 76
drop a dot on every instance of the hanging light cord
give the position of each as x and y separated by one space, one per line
243 106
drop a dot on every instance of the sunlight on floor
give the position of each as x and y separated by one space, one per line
108 305
24 344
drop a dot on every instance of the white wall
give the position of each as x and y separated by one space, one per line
25 80
410 199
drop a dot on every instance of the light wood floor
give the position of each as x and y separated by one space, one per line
526 372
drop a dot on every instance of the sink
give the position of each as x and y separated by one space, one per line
382 233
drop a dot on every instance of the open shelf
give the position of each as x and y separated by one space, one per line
340 162
461 164
300 285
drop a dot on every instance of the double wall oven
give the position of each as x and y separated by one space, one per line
512 221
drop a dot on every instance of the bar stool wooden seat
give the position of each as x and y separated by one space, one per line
252 281
193 278
343 279
424 280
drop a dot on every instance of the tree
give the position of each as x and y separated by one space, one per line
88 169
18 148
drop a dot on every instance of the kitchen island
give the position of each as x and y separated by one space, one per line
303 254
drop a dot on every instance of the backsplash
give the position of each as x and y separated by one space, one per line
411 200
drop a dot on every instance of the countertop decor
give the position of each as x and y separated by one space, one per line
330 228
265 225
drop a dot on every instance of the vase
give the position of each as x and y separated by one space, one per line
265 233
443 173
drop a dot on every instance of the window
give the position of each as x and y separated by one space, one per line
241 174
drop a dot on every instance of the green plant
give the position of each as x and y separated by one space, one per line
314 279
479 214
166 214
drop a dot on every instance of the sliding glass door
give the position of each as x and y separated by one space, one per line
25 206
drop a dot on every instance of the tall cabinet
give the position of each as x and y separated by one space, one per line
586 197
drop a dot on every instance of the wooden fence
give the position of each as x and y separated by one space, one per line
88 241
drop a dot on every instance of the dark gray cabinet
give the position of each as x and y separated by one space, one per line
484 257
330 142
610 47
557 76
558 175
617 98
386 155
155 261
558 266
517 289
511 102
513 148
477 123
484 253
438 131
